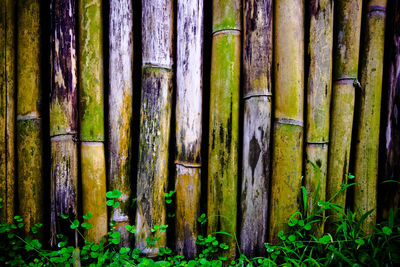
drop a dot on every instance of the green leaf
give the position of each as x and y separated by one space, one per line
75 224
110 202
386 230
64 216
116 204
88 216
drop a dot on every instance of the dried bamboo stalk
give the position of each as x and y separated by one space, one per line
7 111
155 115
29 139
390 196
189 83
63 116
224 121
345 69
367 149
91 114
257 71
288 126
319 88
120 112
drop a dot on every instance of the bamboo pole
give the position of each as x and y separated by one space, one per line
390 192
257 71
120 112
189 77
319 89
91 114
155 115
367 149
29 123
7 110
63 116
345 70
288 126
224 121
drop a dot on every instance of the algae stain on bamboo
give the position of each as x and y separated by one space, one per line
120 112
257 71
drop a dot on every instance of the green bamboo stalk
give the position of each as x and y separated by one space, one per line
390 192
188 123
120 112
319 89
91 114
29 123
345 70
288 127
224 121
7 111
63 117
257 72
155 115
367 149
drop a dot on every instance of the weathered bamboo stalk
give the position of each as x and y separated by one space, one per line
345 70
257 71
319 89
63 116
120 111
224 121
29 122
391 191
7 111
155 115
91 114
367 149
288 125
189 83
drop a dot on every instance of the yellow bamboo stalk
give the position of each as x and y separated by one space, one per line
288 126
367 149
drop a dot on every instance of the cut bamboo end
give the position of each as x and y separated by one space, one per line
286 176
226 15
94 188
187 186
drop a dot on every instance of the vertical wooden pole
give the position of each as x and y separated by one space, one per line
63 116
224 121
120 111
189 85
288 125
319 87
29 121
345 71
7 111
257 71
367 149
155 116
91 114
390 192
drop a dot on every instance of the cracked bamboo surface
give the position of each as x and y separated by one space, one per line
155 116
63 116
91 116
189 86
120 112
367 146
256 169
29 135
288 125
7 111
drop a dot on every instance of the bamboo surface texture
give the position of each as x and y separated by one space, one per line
223 148
29 138
155 116
189 85
63 116
345 70
390 192
7 111
319 87
91 115
256 173
288 125
120 112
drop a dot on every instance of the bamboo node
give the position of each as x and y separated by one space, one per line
251 95
289 121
